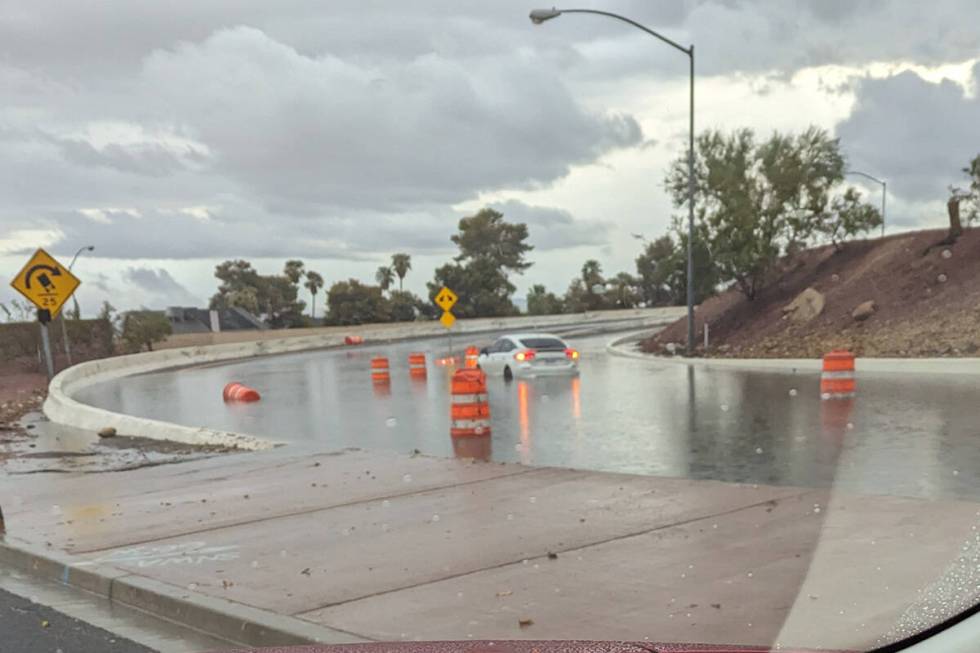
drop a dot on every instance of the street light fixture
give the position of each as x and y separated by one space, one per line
539 16
884 193
64 327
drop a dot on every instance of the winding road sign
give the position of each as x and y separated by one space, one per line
45 282
446 299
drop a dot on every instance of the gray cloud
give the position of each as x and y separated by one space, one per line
157 287
552 229
149 159
915 134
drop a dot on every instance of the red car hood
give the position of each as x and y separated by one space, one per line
520 646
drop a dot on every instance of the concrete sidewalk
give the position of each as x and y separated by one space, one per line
295 545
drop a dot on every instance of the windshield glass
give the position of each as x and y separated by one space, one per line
363 321
542 343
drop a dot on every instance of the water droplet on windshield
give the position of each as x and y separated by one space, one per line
749 574
385 528
510 517
825 396
518 447
793 392
459 595
956 472
407 478
391 422
435 518
816 509
724 408
386 504
345 532
942 278
545 397
758 449
532 499
55 510
850 426
947 254
192 586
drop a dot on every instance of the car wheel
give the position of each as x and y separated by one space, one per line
508 375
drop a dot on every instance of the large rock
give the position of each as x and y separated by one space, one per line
864 310
807 305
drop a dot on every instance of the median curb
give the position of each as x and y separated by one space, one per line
938 366
233 622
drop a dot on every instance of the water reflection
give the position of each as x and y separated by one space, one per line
618 415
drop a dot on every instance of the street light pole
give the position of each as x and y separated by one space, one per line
884 193
64 327
539 16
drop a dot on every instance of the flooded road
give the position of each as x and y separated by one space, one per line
620 414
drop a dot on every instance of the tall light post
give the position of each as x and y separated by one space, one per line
539 16
64 327
884 193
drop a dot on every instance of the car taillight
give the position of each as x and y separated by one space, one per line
571 354
524 355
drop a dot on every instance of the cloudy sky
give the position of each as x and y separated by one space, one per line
174 135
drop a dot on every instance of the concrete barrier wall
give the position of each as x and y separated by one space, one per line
428 327
61 408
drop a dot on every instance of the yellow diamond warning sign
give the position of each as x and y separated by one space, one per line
446 299
45 282
448 319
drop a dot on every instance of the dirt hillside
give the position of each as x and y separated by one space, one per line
926 303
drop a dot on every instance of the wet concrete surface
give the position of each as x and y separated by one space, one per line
34 445
898 437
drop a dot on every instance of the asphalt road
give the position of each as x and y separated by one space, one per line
27 627
901 436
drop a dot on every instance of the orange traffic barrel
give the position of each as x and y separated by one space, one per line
472 357
416 365
469 411
837 379
235 391
353 340
379 369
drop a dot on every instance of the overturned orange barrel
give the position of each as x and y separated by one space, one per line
837 379
472 357
236 391
379 370
469 410
416 365
353 340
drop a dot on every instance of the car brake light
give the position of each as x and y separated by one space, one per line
571 354
525 355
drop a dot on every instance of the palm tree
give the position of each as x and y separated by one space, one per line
401 263
385 276
293 270
313 283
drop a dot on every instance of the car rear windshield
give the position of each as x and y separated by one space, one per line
542 343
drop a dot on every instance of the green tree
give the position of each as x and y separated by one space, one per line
489 249
404 306
107 315
542 302
658 272
385 276
401 264
756 201
143 328
487 237
624 291
590 296
313 283
848 218
293 270
352 302
577 299
272 298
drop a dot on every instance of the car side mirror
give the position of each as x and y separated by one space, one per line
484 351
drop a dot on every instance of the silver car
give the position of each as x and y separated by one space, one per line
527 355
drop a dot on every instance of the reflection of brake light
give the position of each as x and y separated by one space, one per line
525 355
571 354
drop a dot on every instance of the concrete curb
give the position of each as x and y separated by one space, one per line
61 408
943 366
240 624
